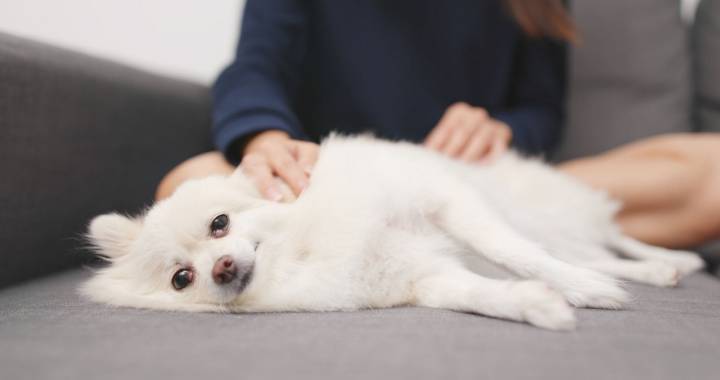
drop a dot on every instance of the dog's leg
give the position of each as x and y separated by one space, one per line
524 301
466 217
656 273
686 262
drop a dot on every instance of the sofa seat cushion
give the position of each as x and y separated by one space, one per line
48 331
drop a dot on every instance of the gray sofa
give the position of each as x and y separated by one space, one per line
81 136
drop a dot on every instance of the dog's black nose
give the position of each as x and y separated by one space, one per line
225 270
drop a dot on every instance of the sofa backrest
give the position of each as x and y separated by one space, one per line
629 77
706 66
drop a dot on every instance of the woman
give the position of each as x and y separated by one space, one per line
464 77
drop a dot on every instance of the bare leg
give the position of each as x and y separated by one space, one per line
522 301
669 185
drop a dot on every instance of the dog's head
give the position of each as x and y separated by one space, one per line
192 251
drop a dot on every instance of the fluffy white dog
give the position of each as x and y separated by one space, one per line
382 224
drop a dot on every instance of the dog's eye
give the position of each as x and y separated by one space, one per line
219 226
182 279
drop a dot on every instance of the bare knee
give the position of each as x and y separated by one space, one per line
203 165
698 156
705 203
694 216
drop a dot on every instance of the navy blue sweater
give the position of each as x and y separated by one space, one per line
392 67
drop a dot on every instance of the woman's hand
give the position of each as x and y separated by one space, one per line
272 154
470 134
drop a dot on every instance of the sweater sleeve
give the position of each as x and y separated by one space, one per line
536 105
255 92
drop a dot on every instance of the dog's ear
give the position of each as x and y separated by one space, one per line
112 234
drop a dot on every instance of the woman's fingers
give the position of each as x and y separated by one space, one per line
288 169
479 145
285 190
262 171
438 137
258 169
443 130
501 140
458 139
473 120
307 154
455 132
498 148
277 162
500 143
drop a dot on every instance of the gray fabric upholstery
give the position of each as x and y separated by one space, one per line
48 332
711 253
706 66
629 78
80 136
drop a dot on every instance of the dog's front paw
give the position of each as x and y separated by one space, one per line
544 307
588 288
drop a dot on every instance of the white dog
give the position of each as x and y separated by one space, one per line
382 224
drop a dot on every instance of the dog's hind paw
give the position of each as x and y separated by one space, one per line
685 262
661 274
594 290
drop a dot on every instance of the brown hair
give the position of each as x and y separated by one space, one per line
544 18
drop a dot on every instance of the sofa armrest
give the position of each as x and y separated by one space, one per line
81 136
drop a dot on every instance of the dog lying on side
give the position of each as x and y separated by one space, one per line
382 224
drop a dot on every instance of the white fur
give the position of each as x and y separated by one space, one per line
385 224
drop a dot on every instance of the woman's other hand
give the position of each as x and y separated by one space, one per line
272 155
470 134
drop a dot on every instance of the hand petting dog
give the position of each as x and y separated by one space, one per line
280 166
